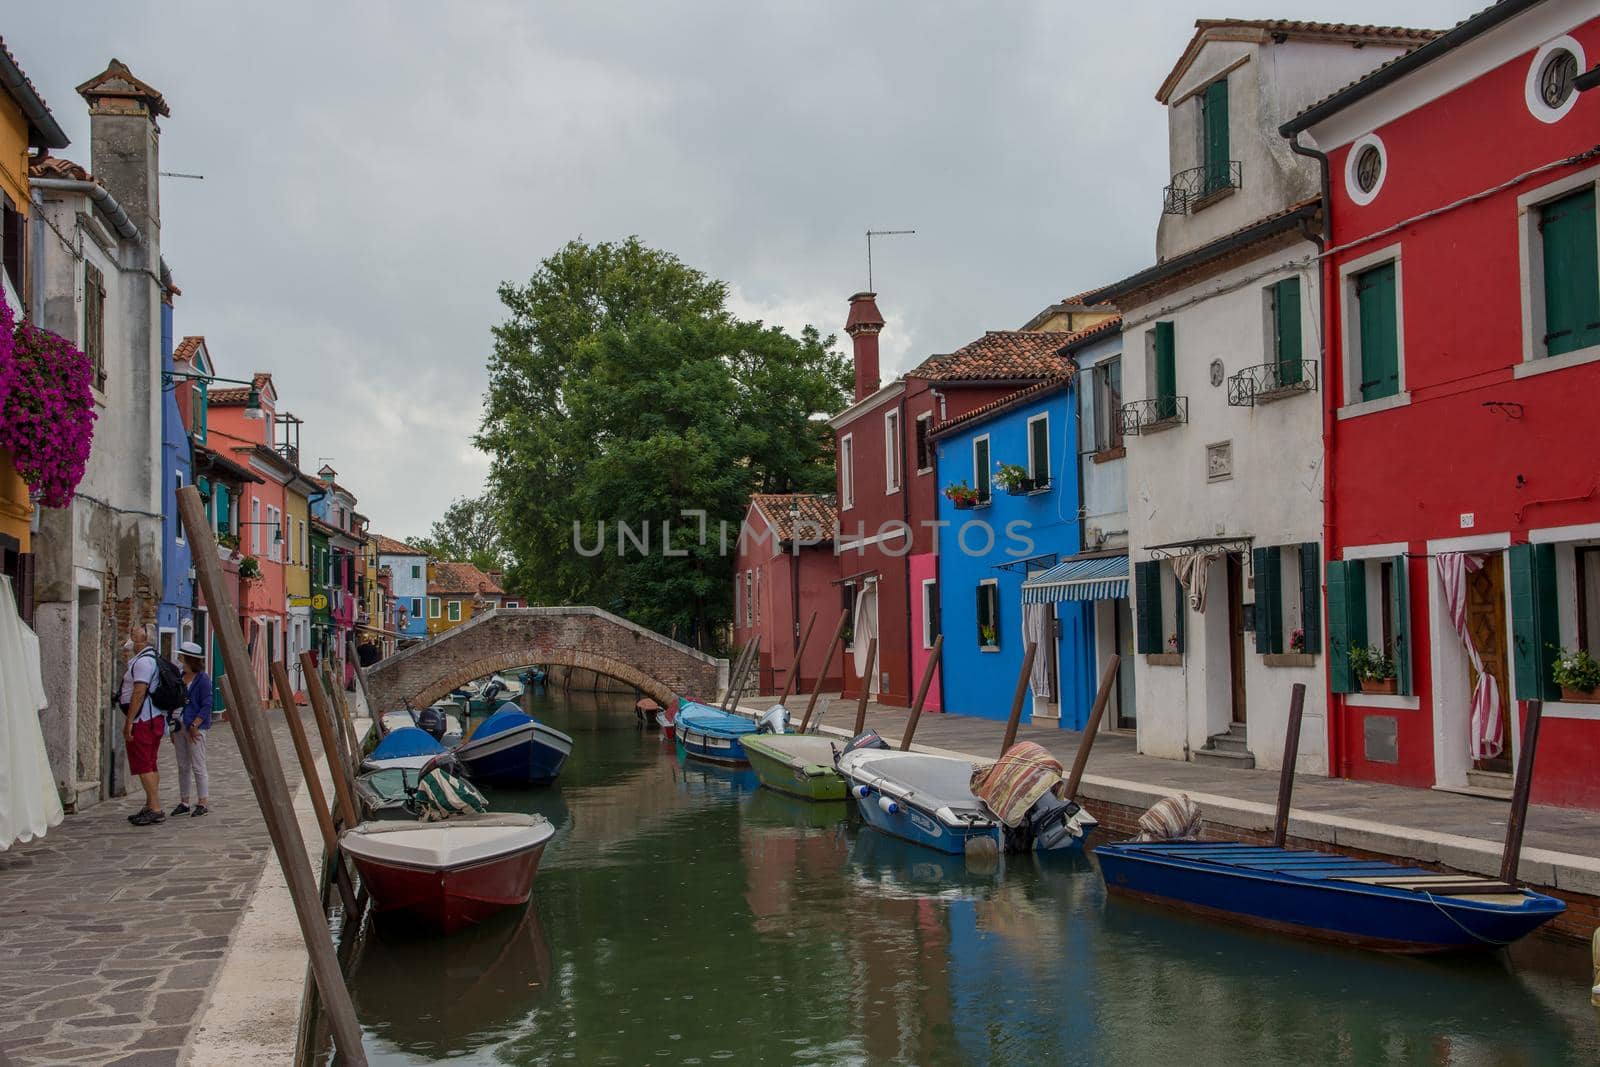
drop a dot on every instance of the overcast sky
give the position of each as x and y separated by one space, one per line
373 171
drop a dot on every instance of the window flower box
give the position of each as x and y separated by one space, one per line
1580 696
1384 686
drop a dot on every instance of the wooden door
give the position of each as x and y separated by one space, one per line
1486 623
1236 634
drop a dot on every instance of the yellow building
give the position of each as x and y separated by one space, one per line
456 591
1070 315
25 122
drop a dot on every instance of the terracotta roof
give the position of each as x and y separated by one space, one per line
999 355
388 546
207 459
118 80
818 515
57 167
1270 29
993 407
21 89
188 347
1089 333
224 397
462 578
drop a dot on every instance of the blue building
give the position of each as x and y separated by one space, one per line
175 615
1015 461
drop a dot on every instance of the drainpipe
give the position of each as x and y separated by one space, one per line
102 198
1330 420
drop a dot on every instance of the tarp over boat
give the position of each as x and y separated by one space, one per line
1010 786
405 743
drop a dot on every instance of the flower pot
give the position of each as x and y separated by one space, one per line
1377 685
963 505
1021 488
1580 696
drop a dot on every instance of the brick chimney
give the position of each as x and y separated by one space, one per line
863 326
125 144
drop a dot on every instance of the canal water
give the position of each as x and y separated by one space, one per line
682 915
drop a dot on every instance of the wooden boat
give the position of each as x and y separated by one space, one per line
800 765
449 874
711 734
406 747
512 748
1327 896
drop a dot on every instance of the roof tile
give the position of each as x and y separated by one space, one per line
462 578
816 515
998 355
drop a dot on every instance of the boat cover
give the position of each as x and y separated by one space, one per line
506 718
441 795
707 720
934 781
405 743
1014 783
796 750
454 843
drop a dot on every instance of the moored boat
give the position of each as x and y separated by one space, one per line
800 765
512 748
385 794
453 873
711 734
407 746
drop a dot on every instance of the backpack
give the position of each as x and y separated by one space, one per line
169 693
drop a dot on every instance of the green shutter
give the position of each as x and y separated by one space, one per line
1147 604
1268 567
1400 610
1380 340
1214 114
1286 326
1039 440
1311 595
1166 371
1571 273
1347 620
1534 623
980 468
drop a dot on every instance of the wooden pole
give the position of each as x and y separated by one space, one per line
1091 729
866 688
1291 753
308 762
1511 858
753 663
1017 697
349 720
827 661
735 673
799 654
342 783
272 793
922 692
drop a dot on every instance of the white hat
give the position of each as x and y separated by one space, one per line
189 648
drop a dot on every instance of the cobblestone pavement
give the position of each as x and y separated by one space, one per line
113 933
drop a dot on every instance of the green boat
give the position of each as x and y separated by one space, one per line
800 765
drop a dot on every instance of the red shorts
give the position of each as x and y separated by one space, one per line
145 745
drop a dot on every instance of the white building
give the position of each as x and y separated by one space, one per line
1221 411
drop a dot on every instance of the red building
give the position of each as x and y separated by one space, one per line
784 576
1462 364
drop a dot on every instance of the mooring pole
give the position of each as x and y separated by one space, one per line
342 782
753 664
735 673
799 654
1511 858
313 780
1091 729
1291 753
1019 696
922 692
827 661
866 687
272 793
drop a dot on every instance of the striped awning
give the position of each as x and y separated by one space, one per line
1095 578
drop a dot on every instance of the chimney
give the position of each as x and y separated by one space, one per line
863 326
124 144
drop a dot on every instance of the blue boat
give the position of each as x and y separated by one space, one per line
407 747
711 734
512 748
1327 896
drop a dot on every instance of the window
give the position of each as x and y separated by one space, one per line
930 611
1556 77
222 508
924 452
1369 606
1214 136
1366 165
847 473
1288 598
848 598
1378 333
255 526
271 533
988 615
1164 369
455 611
1154 587
757 598
94 321
749 580
1283 303
304 554
512 604
416 607
177 483
199 405
893 449
433 607
1586 587
1571 272
14 244
980 468
416 571
1550 89
1106 383
1039 450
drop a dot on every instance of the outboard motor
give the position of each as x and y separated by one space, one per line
774 721
870 739
1054 823
431 721
493 690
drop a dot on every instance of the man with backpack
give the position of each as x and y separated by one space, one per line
151 686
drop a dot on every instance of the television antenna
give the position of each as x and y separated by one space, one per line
879 233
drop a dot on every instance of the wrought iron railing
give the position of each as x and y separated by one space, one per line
1271 381
1190 187
1157 413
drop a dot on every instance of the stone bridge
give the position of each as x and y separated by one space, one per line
582 637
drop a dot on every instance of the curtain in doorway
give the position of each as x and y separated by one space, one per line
29 803
1190 569
1036 620
1486 737
865 629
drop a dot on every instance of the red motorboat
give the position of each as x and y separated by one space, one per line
449 874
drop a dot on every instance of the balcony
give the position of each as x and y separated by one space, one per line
1196 187
1267 382
1149 416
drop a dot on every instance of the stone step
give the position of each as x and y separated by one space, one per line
1219 757
1229 742
1496 783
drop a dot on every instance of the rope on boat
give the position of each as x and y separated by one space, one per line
1462 926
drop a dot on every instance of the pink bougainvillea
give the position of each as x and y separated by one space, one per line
46 408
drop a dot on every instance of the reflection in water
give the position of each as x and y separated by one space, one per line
682 915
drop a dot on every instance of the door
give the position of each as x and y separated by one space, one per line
866 629
1122 641
1236 635
1486 622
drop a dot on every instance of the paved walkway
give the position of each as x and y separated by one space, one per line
114 934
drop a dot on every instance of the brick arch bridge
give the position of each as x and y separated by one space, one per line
583 637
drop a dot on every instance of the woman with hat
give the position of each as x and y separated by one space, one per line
190 736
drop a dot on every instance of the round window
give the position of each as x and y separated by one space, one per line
1369 168
1365 168
1551 86
1556 77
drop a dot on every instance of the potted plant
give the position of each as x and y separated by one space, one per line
962 495
1013 478
249 569
1297 641
1578 675
1374 671
988 636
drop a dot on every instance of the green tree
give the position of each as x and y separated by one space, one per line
468 533
622 389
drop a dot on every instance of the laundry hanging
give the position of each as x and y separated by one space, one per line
1487 734
29 803
1191 569
1036 627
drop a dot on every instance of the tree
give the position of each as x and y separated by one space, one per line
621 389
468 533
